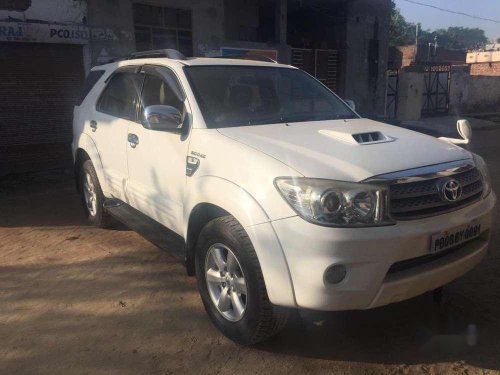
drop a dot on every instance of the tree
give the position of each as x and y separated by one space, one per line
402 32
456 38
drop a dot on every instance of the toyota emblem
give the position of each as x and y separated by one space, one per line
451 190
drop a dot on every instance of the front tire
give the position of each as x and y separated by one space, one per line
231 284
92 197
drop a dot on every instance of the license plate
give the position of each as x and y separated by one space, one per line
453 237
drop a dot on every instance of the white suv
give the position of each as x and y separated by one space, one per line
274 192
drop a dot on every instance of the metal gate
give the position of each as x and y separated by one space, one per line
320 63
391 94
437 89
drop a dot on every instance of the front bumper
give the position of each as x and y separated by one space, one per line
369 253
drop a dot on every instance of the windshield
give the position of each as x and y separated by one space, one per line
249 95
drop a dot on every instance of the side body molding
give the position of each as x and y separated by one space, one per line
240 204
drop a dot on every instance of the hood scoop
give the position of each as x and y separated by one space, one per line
368 138
371 138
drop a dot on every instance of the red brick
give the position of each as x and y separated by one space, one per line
485 69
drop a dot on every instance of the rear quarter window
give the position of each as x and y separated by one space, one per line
90 82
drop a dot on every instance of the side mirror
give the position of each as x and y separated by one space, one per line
162 118
350 103
464 129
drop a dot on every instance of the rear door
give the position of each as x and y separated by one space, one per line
157 159
115 111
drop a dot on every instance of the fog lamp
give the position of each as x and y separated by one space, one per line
335 274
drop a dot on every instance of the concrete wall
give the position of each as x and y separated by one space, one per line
50 11
468 93
35 21
113 36
208 23
410 95
112 29
367 20
483 57
243 27
473 94
241 14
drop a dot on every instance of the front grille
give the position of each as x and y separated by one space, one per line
422 198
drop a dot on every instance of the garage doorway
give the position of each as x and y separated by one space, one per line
320 63
39 86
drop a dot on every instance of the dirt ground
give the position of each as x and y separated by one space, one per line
78 300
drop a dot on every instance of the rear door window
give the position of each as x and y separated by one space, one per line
121 96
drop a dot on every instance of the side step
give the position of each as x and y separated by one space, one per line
148 228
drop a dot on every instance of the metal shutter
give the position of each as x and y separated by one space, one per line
39 85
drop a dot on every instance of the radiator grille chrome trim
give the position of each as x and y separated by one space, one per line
414 193
424 173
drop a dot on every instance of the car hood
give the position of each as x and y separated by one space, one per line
327 149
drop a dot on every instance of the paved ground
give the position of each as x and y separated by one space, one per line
77 300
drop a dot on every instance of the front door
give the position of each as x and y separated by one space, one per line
115 111
157 159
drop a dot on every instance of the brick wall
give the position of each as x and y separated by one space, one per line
485 69
401 56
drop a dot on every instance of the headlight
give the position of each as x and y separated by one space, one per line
336 203
485 174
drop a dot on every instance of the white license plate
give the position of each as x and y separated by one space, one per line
453 237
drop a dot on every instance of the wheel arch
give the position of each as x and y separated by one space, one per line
217 197
200 216
80 157
85 149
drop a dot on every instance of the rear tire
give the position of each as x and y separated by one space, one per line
225 256
92 197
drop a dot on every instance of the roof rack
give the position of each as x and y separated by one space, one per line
159 53
248 57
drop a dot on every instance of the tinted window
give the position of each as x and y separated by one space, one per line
249 95
120 97
90 82
156 91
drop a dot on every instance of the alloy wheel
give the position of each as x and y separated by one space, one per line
90 194
225 282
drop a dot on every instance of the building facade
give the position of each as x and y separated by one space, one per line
403 56
485 63
48 46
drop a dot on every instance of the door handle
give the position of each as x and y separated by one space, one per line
93 125
133 140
